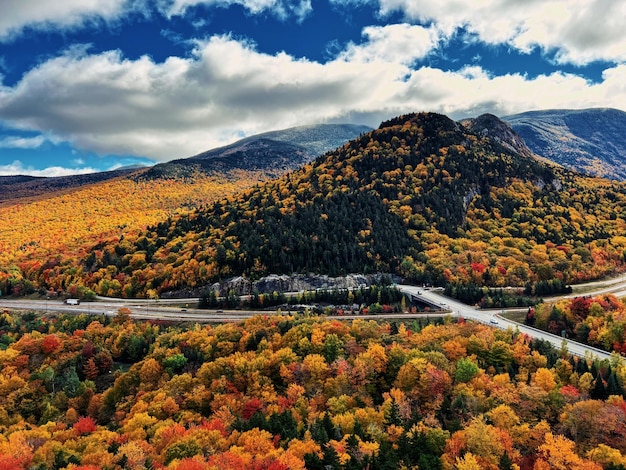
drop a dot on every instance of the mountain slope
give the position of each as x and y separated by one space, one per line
422 196
272 152
17 187
49 224
592 141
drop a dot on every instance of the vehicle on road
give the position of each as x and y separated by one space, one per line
72 301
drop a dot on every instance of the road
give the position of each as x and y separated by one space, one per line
155 310
491 318
159 310
140 309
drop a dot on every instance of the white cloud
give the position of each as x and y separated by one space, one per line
22 142
283 9
18 14
18 168
111 105
578 31
15 15
397 43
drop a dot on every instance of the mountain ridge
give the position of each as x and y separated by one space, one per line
422 196
274 152
588 140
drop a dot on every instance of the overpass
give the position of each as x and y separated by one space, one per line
491 318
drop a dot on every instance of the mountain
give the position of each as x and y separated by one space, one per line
17 187
592 141
488 125
51 224
272 152
422 196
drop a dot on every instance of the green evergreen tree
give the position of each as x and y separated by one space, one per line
505 462
599 391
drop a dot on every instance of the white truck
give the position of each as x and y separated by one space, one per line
72 301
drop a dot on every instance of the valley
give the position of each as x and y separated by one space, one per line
135 376
159 310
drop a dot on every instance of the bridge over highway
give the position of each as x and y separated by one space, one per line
491 318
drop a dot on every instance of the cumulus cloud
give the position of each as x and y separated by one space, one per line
226 88
283 9
22 142
18 14
397 43
18 168
576 31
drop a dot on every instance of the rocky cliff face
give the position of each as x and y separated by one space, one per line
286 283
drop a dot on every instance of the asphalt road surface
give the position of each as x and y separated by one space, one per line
490 317
165 310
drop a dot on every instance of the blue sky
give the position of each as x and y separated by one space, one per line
92 85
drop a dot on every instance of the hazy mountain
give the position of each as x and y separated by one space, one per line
271 152
15 187
592 141
422 196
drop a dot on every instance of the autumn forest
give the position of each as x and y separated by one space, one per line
301 393
453 205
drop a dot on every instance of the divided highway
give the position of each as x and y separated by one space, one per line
490 317
158 310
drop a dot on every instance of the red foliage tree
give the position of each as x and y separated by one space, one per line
50 344
579 307
91 369
191 464
85 425
251 407
9 462
226 460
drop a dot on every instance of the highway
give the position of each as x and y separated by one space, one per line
140 309
167 310
490 317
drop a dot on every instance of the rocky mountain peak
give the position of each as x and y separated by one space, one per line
488 125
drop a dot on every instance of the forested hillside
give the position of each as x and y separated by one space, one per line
285 393
422 196
14 188
51 224
44 238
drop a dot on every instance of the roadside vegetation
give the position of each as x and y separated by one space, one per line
297 392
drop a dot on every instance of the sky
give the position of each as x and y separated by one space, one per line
94 85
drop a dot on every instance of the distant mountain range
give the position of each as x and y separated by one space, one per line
592 141
272 152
